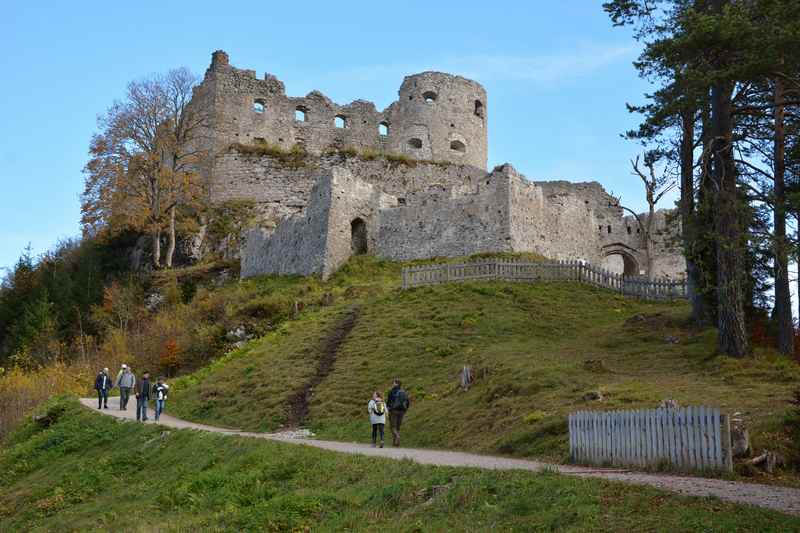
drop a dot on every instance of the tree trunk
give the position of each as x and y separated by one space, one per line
783 298
732 338
687 210
171 245
704 252
649 248
157 248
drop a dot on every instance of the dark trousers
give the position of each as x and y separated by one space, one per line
124 395
141 408
395 421
102 398
377 428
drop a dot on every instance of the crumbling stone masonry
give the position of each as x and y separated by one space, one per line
408 182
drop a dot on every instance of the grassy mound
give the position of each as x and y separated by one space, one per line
74 470
537 352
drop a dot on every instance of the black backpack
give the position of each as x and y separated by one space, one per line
400 402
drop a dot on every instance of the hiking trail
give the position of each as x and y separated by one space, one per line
776 498
298 401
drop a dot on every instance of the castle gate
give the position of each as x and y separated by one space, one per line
622 259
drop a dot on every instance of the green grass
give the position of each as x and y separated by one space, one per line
85 472
536 349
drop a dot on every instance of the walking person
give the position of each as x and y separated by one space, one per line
142 396
160 390
102 384
126 380
377 416
398 403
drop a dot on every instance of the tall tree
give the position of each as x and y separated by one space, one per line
142 167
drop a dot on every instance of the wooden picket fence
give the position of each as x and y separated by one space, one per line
689 438
533 271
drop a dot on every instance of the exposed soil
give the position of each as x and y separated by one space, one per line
298 402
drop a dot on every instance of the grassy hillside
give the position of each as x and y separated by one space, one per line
74 470
536 349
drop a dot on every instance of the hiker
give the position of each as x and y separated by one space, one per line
160 390
125 381
377 416
398 405
102 384
142 396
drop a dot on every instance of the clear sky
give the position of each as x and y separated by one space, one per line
557 76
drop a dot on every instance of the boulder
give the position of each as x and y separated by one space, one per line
237 334
593 396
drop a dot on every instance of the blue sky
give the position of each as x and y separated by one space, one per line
557 75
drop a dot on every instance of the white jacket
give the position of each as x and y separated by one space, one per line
373 418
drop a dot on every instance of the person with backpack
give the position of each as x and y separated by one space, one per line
398 403
377 416
102 384
160 390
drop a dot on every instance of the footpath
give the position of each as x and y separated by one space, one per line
782 499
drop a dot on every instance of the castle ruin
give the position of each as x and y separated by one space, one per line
408 182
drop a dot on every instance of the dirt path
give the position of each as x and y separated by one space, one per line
298 402
783 499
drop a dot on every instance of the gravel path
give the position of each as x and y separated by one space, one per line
783 499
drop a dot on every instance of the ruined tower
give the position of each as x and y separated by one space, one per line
441 117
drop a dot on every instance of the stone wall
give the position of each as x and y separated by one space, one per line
280 190
461 215
296 246
448 222
438 116
318 241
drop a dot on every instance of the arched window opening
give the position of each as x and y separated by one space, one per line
429 97
383 129
629 230
259 106
340 121
609 230
358 236
478 108
415 143
300 114
458 146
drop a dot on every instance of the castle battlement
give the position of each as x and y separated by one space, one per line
437 116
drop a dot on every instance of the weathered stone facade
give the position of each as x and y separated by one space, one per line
347 196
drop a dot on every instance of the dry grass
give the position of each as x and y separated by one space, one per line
296 157
21 391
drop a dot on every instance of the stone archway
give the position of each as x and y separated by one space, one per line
621 259
358 236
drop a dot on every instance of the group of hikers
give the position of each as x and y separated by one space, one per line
143 389
397 403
